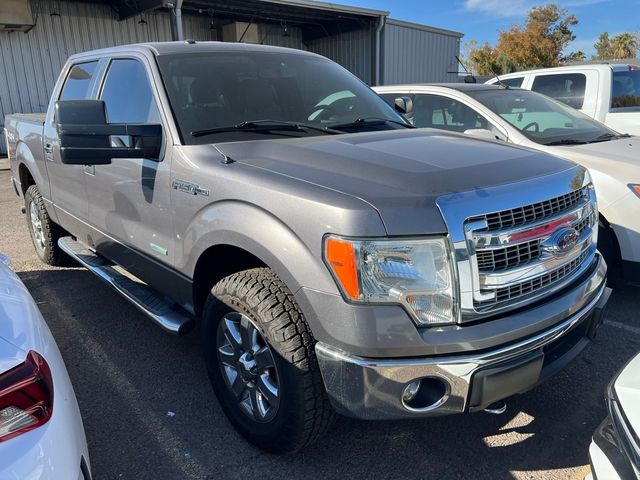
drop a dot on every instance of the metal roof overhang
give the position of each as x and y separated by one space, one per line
316 19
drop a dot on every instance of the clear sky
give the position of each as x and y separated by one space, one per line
482 19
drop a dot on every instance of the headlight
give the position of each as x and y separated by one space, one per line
635 188
417 274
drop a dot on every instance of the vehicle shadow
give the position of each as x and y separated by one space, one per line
149 410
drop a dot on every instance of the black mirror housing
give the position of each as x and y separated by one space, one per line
403 105
85 135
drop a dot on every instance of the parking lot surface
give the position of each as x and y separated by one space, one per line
149 411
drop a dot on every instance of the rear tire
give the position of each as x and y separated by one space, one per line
608 247
258 301
44 233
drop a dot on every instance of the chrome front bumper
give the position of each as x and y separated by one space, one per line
372 388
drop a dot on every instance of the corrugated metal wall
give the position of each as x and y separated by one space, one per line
417 54
30 62
273 34
352 50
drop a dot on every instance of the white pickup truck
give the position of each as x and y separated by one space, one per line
608 92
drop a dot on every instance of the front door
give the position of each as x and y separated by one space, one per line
129 199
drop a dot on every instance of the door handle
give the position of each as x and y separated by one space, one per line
48 148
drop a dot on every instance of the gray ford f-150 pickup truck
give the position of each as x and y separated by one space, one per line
337 258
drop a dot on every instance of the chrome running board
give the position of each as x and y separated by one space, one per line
171 318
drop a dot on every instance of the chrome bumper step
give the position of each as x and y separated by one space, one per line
148 301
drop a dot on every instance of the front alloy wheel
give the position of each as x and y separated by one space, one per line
261 361
247 365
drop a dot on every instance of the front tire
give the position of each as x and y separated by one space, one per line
261 361
44 233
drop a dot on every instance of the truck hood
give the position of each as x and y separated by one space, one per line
619 158
399 173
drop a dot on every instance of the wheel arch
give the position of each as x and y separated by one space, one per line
25 177
232 236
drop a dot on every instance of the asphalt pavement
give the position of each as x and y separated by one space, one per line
150 413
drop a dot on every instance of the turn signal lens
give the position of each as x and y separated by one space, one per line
26 397
635 188
342 258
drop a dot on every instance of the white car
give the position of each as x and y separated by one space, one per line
607 92
532 120
615 449
41 432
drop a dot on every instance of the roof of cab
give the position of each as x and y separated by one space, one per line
190 46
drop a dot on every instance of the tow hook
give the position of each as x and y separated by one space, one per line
496 408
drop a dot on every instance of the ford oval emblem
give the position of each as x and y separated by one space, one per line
561 241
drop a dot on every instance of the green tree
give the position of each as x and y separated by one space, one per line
539 43
604 50
624 45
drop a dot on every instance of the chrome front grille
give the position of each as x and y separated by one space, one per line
503 258
531 213
517 243
520 261
522 289
522 253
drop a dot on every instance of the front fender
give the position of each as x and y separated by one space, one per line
260 233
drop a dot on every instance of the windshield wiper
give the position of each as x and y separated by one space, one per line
609 136
370 121
566 141
266 124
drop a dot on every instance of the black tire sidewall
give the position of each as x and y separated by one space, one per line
279 434
608 248
303 412
32 196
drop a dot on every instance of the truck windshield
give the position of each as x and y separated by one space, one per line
231 96
542 119
625 91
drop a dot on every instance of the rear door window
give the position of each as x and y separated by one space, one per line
78 81
567 88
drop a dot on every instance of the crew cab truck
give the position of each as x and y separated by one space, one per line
338 259
607 92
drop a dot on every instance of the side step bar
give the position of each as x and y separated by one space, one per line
148 301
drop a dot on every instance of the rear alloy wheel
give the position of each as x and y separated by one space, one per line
44 233
260 356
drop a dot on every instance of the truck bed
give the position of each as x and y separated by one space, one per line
35 118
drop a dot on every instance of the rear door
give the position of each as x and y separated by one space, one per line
68 192
129 199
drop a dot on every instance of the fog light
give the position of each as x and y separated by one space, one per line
410 391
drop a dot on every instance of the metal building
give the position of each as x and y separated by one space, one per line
37 36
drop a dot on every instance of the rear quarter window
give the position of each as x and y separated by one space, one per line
512 82
625 90
567 88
